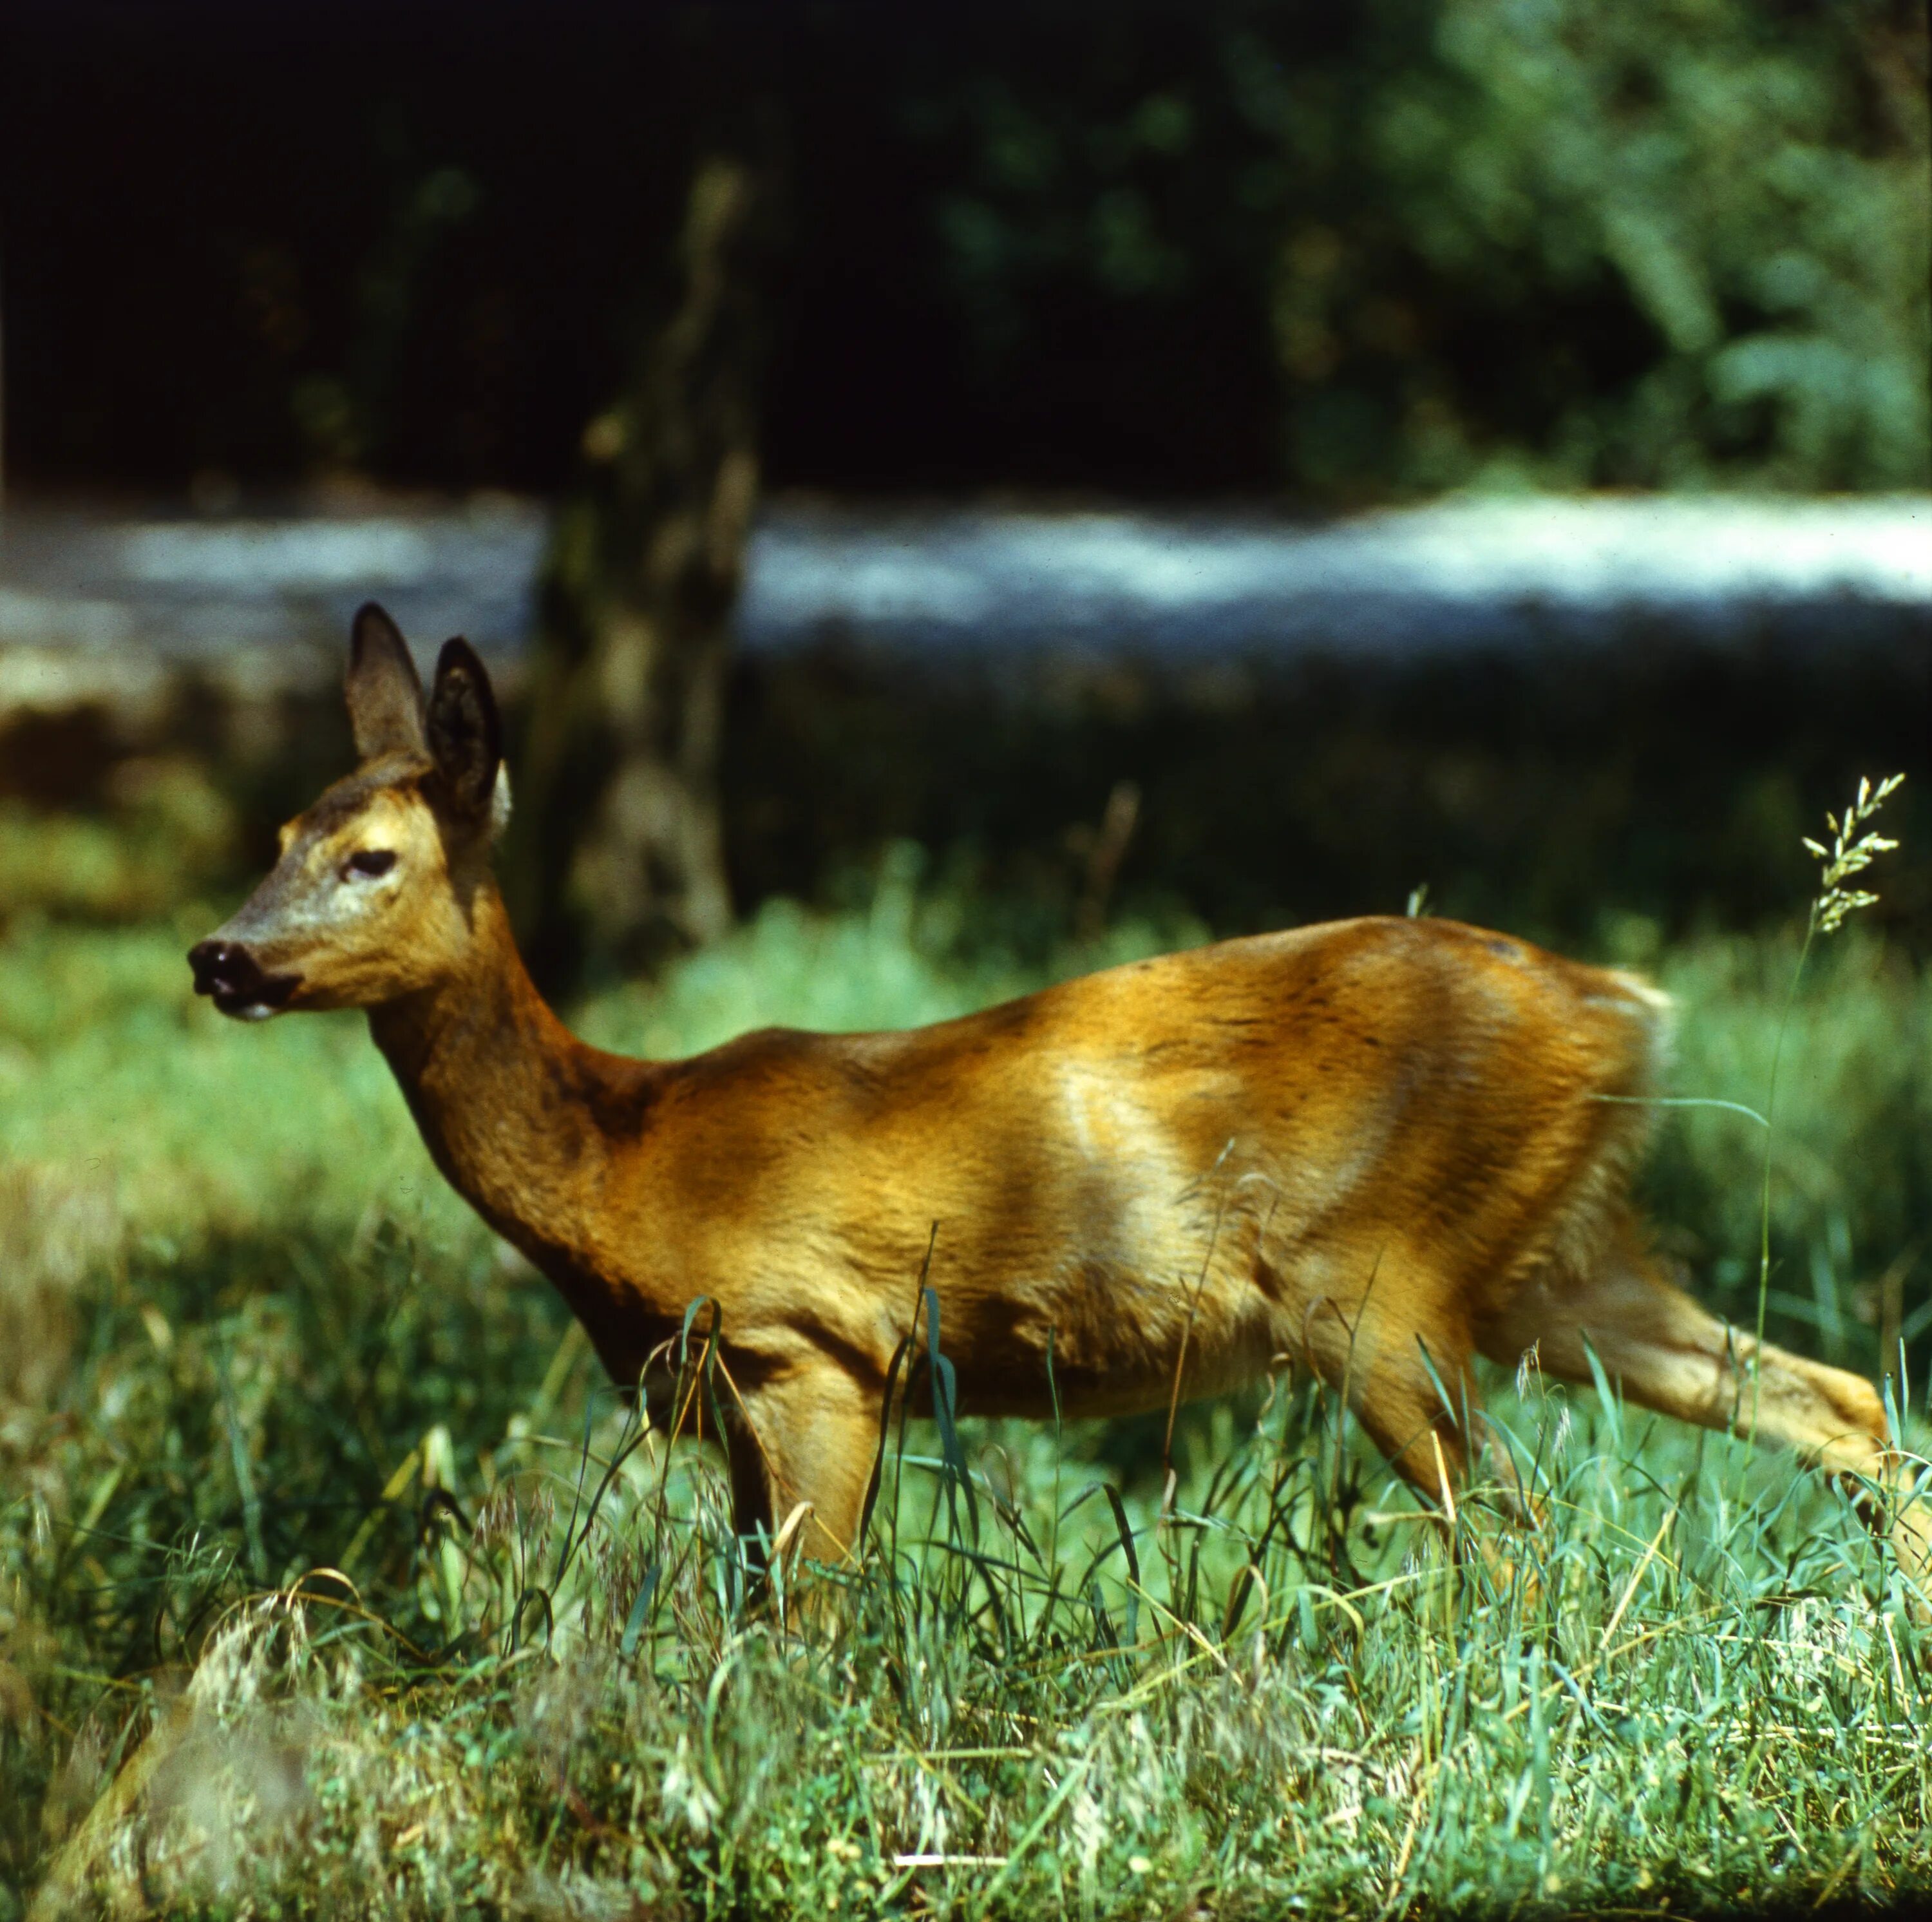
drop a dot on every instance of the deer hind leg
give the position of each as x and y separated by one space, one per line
1670 1355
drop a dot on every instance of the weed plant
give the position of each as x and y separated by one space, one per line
334 1580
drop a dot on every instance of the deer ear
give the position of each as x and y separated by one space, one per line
465 739
384 696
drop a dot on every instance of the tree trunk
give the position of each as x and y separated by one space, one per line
618 796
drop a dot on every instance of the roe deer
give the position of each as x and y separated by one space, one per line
1346 1144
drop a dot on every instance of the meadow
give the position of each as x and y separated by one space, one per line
334 1580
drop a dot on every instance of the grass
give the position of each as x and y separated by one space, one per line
333 1580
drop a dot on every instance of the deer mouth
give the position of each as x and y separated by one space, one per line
234 980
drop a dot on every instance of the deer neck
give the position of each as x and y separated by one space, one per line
507 1099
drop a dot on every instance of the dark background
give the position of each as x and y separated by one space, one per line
1313 257
462 213
1336 253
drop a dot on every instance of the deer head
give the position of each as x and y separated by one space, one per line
372 897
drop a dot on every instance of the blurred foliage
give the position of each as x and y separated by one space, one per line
1751 181
1553 242
164 833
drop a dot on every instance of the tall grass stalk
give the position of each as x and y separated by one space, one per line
1849 854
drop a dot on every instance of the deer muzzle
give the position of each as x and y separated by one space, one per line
235 981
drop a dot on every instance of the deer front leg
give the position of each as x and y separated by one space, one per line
807 1437
1390 1371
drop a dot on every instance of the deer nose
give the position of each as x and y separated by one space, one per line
227 972
223 968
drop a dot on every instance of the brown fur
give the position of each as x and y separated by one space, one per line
1342 1145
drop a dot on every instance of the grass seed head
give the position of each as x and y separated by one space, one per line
1850 852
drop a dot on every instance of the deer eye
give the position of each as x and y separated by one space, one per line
370 862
